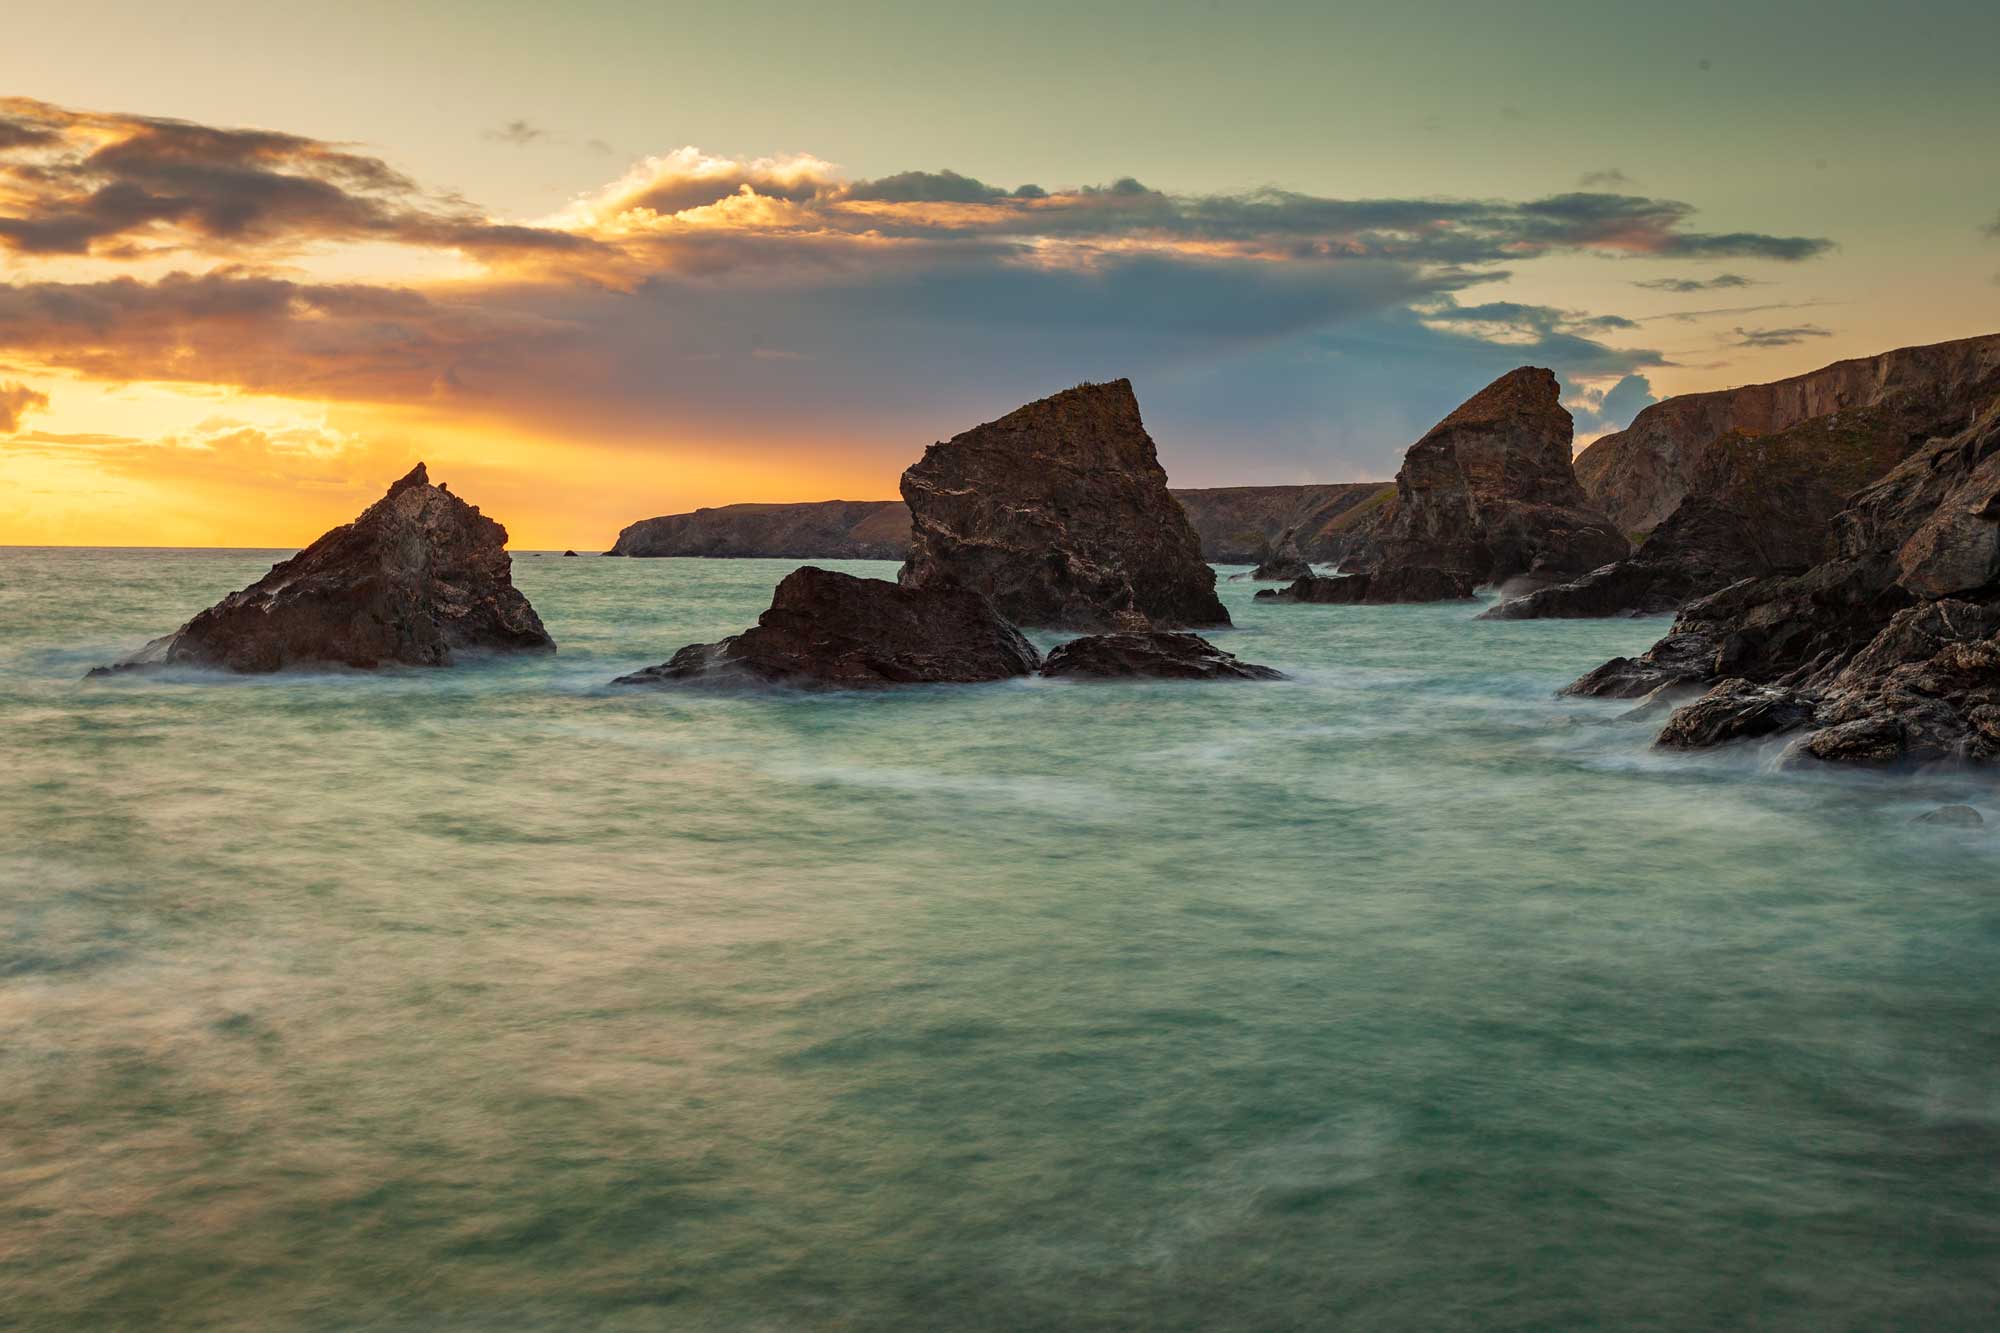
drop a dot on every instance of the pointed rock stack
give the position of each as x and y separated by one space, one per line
418 577
1059 514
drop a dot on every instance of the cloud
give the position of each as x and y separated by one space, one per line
1719 282
1598 410
1608 177
124 187
519 133
16 401
1778 337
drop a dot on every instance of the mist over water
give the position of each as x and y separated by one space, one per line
1401 995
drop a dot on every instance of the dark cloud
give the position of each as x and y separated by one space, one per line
519 133
909 187
121 186
1778 337
1608 177
16 401
1719 282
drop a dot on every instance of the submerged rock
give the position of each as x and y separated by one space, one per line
418 577
1489 494
827 630
1160 655
1059 514
1420 584
1952 816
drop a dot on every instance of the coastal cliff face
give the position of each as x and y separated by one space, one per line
823 530
1888 652
419 576
1059 514
1489 493
1236 525
1639 475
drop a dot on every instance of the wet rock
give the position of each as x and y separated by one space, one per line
1489 494
1952 816
827 630
1736 710
1382 588
1059 514
1161 655
418 578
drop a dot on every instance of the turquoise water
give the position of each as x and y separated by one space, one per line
1401 996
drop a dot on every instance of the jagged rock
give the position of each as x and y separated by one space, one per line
1282 562
1059 513
1624 588
1736 710
822 530
1161 655
1678 447
1489 494
1895 643
419 577
1952 816
827 630
1420 584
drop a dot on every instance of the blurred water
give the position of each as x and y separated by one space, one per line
1400 996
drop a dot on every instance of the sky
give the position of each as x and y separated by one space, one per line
596 262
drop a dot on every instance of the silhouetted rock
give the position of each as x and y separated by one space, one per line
821 530
1488 494
418 577
1059 513
1385 587
826 630
1160 655
569 555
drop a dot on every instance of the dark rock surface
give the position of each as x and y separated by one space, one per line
418 577
1421 584
1892 647
1489 494
827 630
569 555
1282 561
1059 514
821 530
1161 655
1680 447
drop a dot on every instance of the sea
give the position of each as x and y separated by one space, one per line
1402 994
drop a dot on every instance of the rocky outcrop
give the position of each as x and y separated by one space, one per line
1676 448
1489 495
1240 525
1887 653
1701 548
1389 586
1156 656
824 530
1059 514
827 630
1282 561
418 578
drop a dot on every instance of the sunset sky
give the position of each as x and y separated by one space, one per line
594 262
